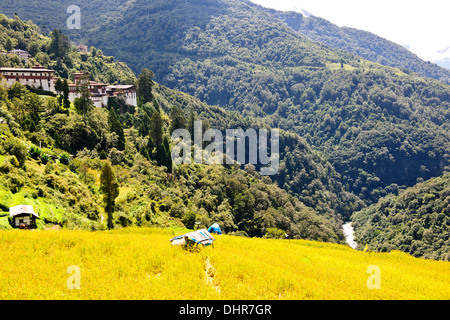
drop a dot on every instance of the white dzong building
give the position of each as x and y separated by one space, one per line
40 78
100 92
36 77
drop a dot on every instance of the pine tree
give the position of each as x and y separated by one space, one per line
156 134
66 101
59 90
59 45
110 190
144 126
84 104
150 147
144 86
190 122
8 44
177 119
167 155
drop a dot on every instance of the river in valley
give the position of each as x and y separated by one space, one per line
348 232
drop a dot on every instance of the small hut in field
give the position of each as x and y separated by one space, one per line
23 217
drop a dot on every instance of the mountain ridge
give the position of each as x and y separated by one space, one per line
94 14
362 43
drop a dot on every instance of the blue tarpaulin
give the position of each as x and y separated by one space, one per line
215 228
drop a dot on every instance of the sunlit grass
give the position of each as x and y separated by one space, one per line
140 263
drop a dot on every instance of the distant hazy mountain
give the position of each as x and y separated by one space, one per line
444 63
361 43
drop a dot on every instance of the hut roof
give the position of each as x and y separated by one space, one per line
22 209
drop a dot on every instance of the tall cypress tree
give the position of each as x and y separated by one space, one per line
156 133
84 104
150 147
59 90
110 190
66 101
167 155
177 119
190 123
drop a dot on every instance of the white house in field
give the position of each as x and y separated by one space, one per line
36 77
23 216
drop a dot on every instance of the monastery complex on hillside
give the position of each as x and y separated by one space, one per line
40 78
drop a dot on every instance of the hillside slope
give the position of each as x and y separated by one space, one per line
303 171
55 52
47 16
417 221
65 190
237 56
361 115
241 201
378 129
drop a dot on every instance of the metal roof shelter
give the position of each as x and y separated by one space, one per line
201 236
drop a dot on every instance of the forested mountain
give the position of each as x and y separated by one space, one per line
417 221
351 128
66 189
51 14
48 15
361 43
361 115
303 171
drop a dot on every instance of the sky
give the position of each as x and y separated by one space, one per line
421 26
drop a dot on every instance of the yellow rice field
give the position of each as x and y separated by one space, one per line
141 264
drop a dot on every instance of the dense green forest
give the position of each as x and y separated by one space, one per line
369 120
48 152
64 189
303 171
48 16
416 221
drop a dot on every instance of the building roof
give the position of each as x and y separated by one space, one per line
201 236
121 86
22 209
26 70
91 83
97 84
18 50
